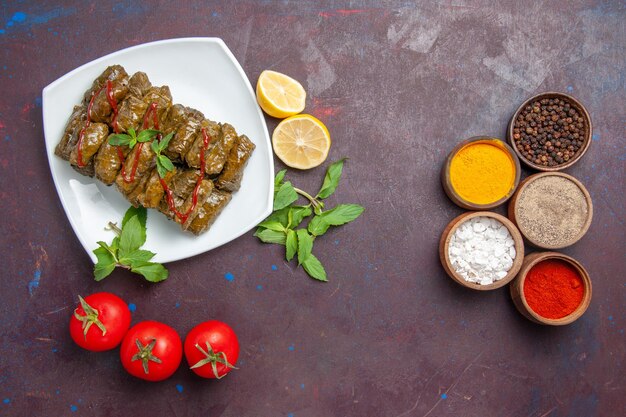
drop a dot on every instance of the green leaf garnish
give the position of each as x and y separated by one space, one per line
119 139
151 271
291 245
340 215
105 265
124 250
270 236
305 245
285 195
331 180
140 212
147 134
165 141
280 226
314 268
131 237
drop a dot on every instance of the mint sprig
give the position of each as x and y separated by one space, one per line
131 138
163 162
281 227
124 250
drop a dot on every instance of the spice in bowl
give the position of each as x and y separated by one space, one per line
480 173
552 210
550 130
482 250
553 289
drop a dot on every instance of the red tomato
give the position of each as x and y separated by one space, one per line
212 349
151 351
100 322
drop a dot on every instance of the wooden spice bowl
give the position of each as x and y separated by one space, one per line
449 231
573 103
447 184
514 209
517 289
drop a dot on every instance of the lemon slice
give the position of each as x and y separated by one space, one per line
301 141
279 95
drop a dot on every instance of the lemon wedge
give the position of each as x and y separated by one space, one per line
301 141
279 95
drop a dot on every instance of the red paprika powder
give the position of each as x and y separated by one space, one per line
553 289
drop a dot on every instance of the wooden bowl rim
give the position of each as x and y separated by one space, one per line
586 142
534 177
537 257
447 184
447 236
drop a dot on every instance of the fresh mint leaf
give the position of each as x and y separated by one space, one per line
106 262
278 180
298 213
146 135
153 272
119 139
331 179
165 141
161 169
291 245
270 236
131 132
140 255
305 245
280 216
115 244
132 237
285 196
155 147
314 268
318 226
140 212
109 249
342 214
272 225
166 163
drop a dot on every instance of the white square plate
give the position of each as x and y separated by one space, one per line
202 73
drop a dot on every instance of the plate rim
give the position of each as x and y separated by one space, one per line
267 209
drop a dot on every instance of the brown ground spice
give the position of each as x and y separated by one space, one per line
552 210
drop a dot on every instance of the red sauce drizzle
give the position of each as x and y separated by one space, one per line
146 119
194 197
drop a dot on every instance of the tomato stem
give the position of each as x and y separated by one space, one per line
213 358
90 317
145 354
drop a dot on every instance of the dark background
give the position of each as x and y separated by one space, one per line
398 85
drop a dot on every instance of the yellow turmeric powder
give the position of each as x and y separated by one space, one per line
482 172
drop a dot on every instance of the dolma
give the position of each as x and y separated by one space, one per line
132 109
209 211
107 162
230 178
161 99
72 130
214 133
139 106
154 192
184 135
143 157
95 134
110 73
215 157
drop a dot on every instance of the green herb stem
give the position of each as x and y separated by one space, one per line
308 196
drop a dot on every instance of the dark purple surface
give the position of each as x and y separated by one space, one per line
398 85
